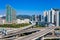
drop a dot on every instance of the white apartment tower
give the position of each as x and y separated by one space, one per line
54 16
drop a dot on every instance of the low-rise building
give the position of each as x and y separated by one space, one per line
19 21
2 21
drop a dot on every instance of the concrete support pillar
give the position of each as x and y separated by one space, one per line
16 36
42 38
53 33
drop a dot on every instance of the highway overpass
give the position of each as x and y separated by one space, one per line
22 30
36 35
55 37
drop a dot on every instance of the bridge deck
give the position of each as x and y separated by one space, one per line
52 37
37 34
14 32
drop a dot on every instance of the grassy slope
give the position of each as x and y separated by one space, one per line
14 25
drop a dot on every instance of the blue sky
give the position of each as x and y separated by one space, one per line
28 7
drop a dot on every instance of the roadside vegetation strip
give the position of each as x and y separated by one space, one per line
14 25
39 26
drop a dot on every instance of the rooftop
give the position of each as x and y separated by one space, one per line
56 9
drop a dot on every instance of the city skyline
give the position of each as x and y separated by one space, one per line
29 7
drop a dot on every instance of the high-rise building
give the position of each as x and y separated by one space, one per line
40 17
50 16
10 14
45 16
54 16
33 17
36 18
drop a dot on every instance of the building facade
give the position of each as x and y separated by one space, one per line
19 21
2 21
10 14
54 16
36 18
33 17
45 16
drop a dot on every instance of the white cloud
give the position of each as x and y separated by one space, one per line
2 15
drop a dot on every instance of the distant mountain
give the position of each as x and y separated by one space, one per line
20 17
23 17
